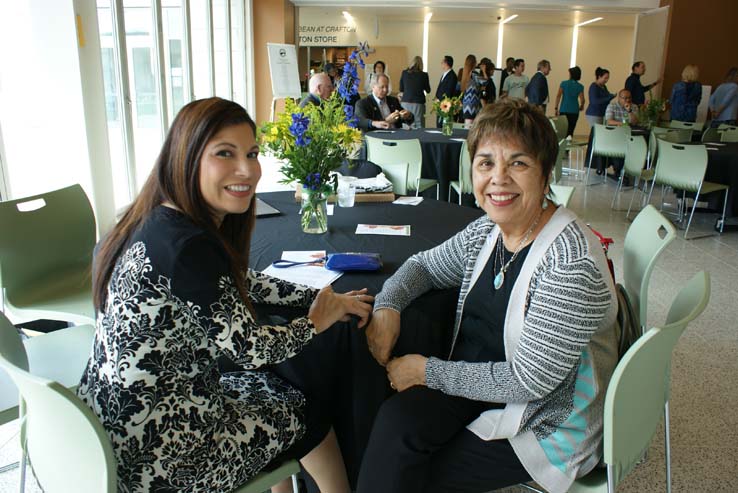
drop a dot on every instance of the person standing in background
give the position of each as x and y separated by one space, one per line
571 96
724 101
379 69
447 84
633 83
686 95
470 88
509 63
489 91
414 85
599 97
537 88
516 83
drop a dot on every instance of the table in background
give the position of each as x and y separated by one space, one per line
440 153
339 357
722 167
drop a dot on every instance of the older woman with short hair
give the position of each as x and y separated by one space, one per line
521 394
686 95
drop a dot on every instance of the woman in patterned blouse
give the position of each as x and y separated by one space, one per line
173 293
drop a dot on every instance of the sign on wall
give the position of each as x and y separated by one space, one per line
283 69
325 30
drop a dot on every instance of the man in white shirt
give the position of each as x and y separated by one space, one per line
515 84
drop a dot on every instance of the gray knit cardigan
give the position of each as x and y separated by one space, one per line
560 343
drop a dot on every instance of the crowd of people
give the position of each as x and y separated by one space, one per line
521 395
474 84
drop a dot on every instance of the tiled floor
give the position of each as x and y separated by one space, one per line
705 363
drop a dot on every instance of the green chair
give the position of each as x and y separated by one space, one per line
464 183
69 449
729 134
561 194
635 159
560 125
694 126
638 393
558 169
714 134
683 167
647 237
608 141
675 135
401 161
459 125
46 254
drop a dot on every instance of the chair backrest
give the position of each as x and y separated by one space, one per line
648 236
725 126
560 125
653 139
391 152
635 155
69 449
677 136
697 126
56 237
638 389
465 180
16 355
681 166
458 125
561 194
610 140
559 165
711 135
729 134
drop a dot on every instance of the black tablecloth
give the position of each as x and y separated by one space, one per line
440 153
337 365
722 167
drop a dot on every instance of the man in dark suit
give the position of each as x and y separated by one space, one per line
447 84
537 89
378 110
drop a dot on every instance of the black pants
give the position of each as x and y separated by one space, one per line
571 119
419 443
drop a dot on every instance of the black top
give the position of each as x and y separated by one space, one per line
412 85
489 91
480 337
637 90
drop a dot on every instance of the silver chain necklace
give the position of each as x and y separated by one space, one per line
500 277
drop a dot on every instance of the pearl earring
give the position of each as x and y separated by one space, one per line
544 205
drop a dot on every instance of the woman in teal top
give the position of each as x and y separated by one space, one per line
573 99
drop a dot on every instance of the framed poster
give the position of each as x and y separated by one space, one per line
283 70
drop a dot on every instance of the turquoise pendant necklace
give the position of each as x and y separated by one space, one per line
500 277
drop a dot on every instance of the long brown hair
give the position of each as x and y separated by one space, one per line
469 64
176 179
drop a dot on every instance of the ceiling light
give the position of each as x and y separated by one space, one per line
589 21
428 16
508 19
349 18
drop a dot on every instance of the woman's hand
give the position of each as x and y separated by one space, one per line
406 371
330 307
382 334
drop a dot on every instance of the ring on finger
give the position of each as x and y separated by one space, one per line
392 384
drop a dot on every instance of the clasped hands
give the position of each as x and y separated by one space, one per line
381 335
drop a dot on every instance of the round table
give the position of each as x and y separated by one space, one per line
722 167
440 153
337 367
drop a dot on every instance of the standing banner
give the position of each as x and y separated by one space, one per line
283 69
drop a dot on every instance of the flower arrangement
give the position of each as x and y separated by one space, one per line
315 140
446 109
649 113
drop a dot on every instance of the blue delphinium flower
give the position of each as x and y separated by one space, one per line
348 86
300 124
351 120
312 181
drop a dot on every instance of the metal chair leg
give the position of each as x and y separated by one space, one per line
22 473
725 205
610 479
691 215
667 446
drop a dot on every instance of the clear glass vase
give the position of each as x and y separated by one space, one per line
314 213
448 126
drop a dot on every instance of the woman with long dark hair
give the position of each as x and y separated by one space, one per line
173 294
470 89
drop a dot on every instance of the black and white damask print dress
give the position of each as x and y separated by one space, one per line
172 308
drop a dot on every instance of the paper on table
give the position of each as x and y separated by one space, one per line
433 131
459 139
408 200
316 276
382 229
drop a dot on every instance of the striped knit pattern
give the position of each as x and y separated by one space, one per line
551 371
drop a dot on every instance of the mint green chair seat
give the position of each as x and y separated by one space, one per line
608 141
561 194
69 449
683 167
401 161
560 125
694 126
716 134
639 391
635 160
675 135
647 237
46 256
729 134
464 183
458 125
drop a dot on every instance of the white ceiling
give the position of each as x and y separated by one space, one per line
551 12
